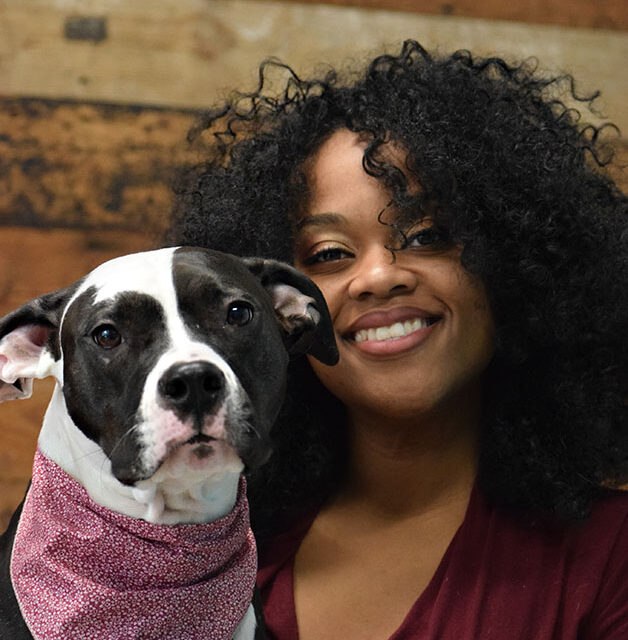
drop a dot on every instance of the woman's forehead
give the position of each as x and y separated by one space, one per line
346 150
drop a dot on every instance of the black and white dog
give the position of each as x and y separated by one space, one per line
170 369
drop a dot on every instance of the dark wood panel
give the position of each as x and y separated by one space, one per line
90 166
84 165
605 14
32 262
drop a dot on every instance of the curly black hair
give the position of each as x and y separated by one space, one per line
508 170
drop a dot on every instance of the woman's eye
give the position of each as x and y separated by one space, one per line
106 336
428 237
239 313
329 254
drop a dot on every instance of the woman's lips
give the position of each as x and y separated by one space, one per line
391 332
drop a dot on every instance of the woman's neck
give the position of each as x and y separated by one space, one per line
408 466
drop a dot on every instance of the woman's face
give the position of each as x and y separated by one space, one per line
413 332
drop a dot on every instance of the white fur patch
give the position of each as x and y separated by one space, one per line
149 272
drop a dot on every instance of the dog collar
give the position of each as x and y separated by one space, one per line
81 571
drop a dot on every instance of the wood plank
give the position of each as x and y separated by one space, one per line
88 166
186 53
604 14
33 262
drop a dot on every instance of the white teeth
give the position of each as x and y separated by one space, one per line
396 330
382 333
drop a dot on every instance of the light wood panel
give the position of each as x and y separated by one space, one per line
185 53
606 14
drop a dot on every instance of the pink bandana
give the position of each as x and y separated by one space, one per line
81 571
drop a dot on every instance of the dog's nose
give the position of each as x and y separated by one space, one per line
192 387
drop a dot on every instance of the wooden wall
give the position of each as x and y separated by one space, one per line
96 97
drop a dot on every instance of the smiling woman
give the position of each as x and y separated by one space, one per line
372 293
452 476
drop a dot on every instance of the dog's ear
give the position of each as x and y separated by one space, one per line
29 344
300 307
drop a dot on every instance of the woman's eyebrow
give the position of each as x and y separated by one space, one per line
321 220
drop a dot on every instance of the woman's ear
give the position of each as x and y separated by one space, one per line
300 307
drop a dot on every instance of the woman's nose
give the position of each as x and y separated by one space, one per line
380 273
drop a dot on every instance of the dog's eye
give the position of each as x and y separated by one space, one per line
239 313
106 336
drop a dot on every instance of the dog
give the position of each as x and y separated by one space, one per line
170 368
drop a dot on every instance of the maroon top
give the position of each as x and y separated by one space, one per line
497 580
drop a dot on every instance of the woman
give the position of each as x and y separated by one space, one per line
453 475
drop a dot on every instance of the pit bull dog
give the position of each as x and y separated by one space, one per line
170 368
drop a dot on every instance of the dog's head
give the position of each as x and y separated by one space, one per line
176 356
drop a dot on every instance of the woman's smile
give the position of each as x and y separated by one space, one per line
388 333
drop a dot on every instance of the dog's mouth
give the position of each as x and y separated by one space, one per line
203 446
200 438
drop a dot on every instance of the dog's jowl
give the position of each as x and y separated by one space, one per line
170 369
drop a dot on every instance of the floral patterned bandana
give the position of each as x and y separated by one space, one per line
81 571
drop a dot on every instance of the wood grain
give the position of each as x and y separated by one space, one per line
188 53
78 165
65 164
605 14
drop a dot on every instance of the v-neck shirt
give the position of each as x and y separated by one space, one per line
498 579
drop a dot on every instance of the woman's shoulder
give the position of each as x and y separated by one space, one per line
600 552
603 539
563 581
609 515
602 533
